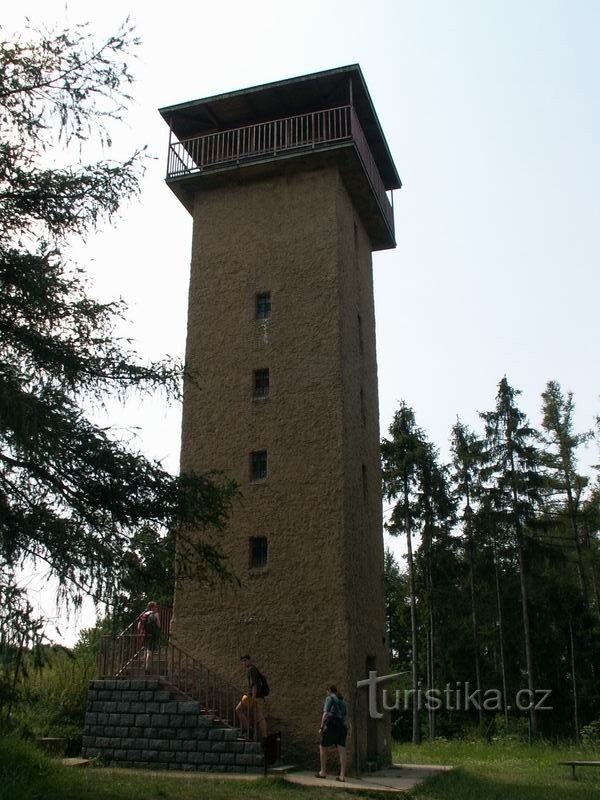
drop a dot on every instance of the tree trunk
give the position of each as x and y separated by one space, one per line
526 631
428 669
524 601
574 681
501 633
430 635
432 674
474 626
416 727
470 549
575 534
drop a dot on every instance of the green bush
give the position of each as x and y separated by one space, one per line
590 735
516 731
54 696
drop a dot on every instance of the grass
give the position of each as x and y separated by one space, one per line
27 774
502 771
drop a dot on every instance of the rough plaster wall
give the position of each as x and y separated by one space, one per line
364 540
298 618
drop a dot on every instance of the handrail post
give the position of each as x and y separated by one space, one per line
170 137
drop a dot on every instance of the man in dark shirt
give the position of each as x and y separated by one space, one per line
250 709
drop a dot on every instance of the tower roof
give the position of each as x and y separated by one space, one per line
298 95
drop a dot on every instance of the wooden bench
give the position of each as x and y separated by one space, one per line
574 764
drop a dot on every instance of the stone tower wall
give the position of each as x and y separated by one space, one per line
315 613
362 502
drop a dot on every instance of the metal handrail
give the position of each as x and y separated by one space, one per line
199 153
165 614
131 656
314 130
370 167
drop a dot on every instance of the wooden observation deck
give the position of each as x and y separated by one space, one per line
330 118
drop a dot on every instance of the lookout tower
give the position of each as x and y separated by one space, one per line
288 187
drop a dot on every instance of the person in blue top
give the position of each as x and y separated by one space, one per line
333 731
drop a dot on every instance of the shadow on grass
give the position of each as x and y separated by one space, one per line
461 784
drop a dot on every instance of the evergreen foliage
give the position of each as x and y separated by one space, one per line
505 573
403 455
74 497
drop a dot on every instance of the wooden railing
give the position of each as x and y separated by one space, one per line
130 656
312 131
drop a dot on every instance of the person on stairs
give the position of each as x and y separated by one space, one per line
251 708
149 630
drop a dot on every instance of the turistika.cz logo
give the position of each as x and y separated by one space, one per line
454 697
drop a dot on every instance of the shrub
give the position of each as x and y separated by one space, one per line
54 696
590 735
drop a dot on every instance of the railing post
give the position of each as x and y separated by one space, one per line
207 690
170 137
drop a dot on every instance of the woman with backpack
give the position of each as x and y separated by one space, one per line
333 731
149 630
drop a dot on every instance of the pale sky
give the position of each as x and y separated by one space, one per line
491 112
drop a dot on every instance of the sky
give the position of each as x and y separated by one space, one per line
491 113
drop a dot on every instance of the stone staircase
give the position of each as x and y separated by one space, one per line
147 723
170 712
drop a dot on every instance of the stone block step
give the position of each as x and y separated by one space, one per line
75 762
283 769
135 722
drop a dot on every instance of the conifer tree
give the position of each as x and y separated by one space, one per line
466 462
488 528
401 455
436 516
73 495
513 480
560 459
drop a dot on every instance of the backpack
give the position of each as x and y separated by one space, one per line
262 686
336 716
150 625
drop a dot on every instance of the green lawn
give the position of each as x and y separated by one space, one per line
104 784
502 772
484 772
26 774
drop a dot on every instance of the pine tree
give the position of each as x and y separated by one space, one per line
401 457
436 516
560 458
466 462
514 482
